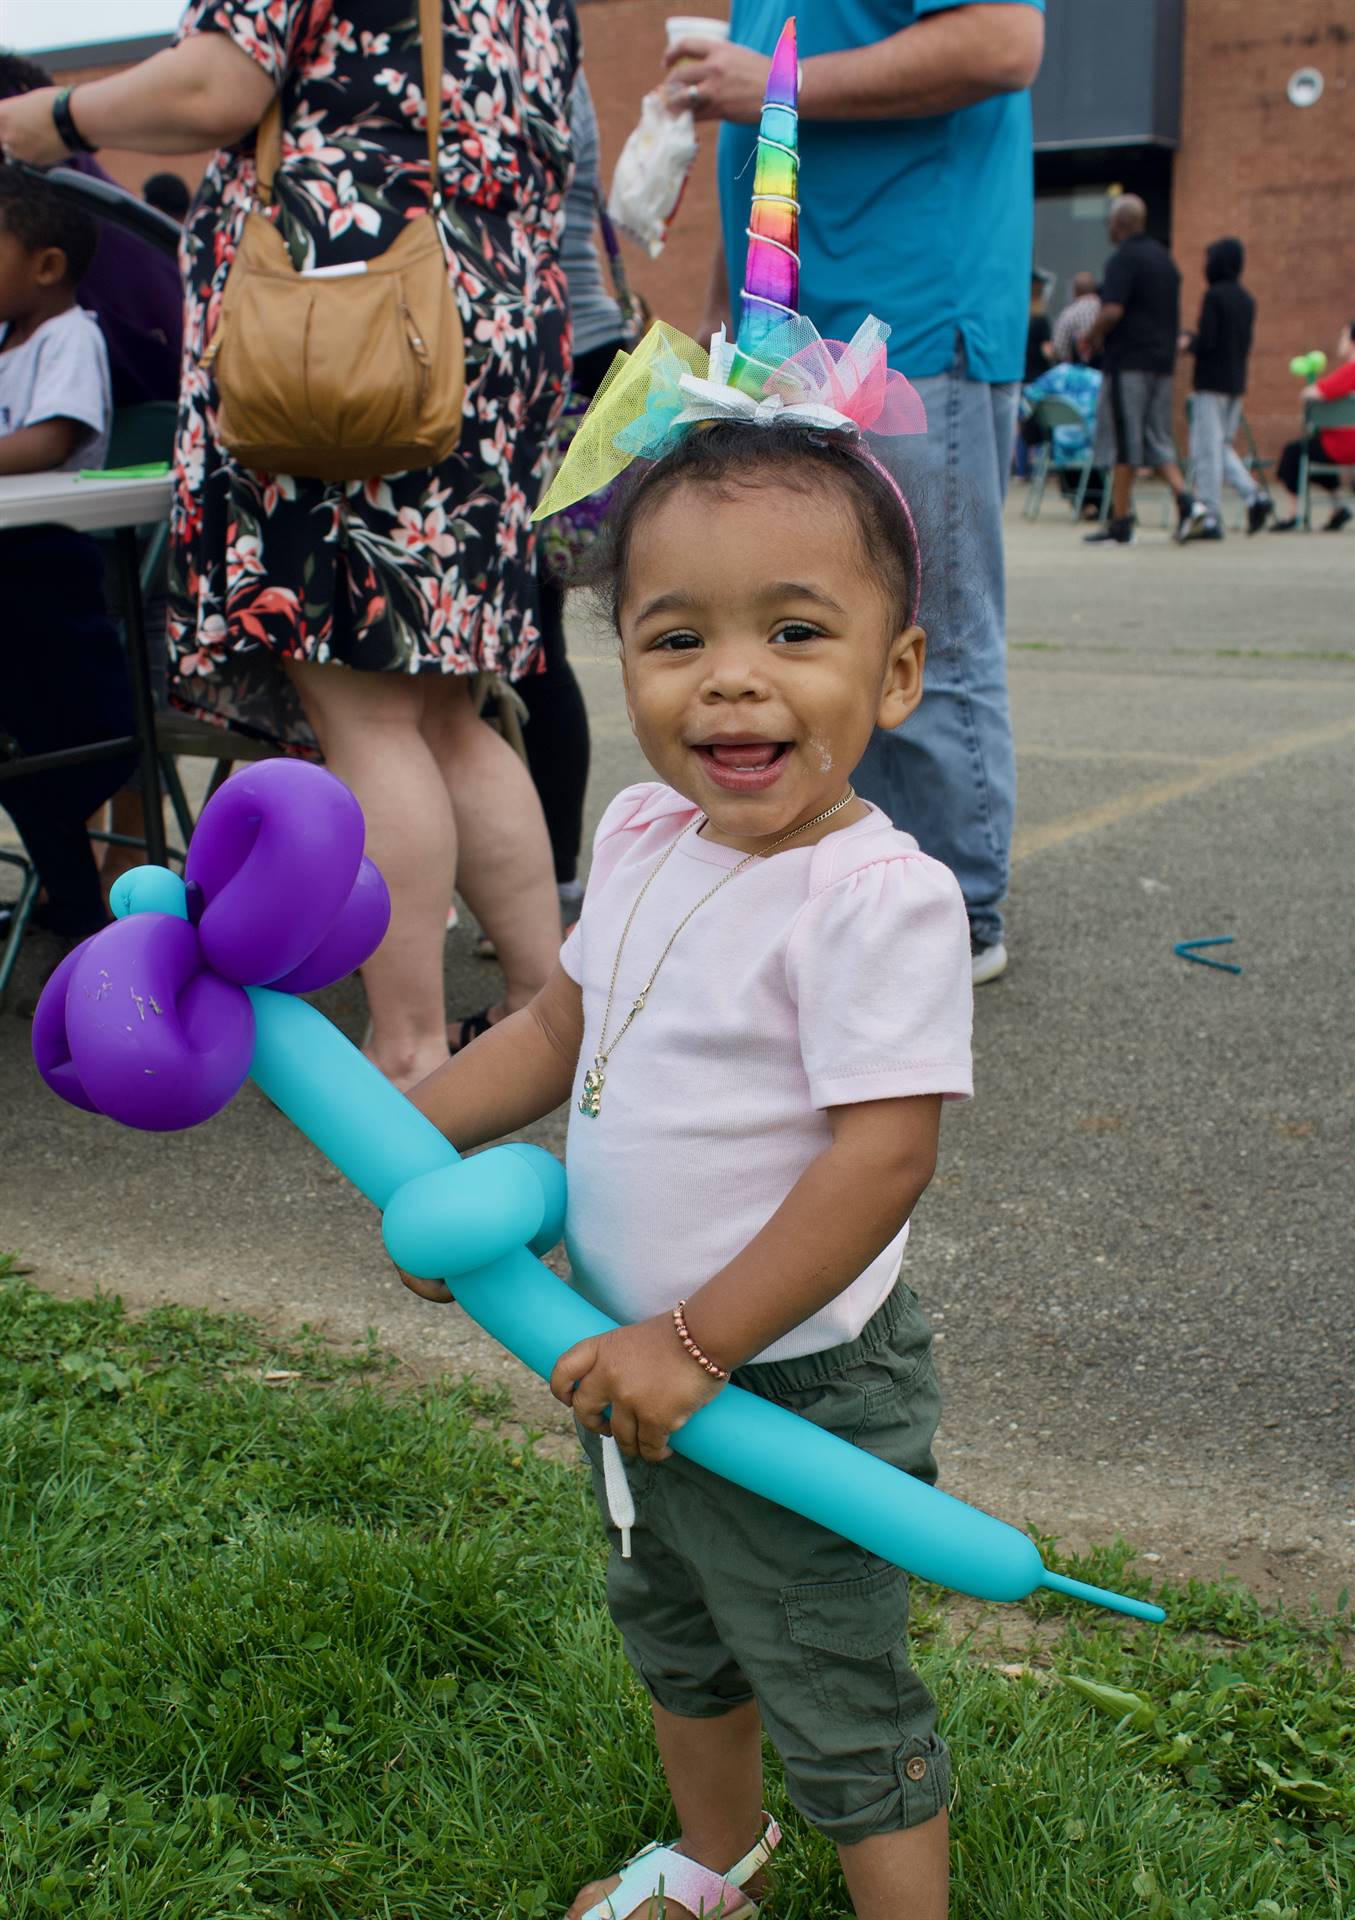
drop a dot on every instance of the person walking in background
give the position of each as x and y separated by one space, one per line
358 613
1221 344
1077 318
920 145
1136 332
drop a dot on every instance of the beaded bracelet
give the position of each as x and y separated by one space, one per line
691 1345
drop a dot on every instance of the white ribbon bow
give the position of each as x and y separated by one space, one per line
711 400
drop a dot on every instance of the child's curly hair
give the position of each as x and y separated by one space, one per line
40 217
730 454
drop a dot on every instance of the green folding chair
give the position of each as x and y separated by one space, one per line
1318 414
1051 412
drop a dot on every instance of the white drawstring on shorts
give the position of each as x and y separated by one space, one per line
619 1503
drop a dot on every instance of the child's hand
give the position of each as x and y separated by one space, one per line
426 1289
644 1374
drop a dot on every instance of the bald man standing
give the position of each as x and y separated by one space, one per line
1136 333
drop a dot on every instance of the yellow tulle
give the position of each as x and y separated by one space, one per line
630 416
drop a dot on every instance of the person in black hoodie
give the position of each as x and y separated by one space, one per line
1220 345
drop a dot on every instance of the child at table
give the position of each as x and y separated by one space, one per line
63 678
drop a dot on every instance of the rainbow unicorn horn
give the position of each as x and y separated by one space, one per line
771 285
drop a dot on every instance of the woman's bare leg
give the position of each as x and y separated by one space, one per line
506 872
368 726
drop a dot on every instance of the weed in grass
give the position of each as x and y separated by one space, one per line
316 1652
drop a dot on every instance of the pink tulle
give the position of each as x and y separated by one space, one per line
856 380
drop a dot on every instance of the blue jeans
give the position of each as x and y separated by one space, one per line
948 775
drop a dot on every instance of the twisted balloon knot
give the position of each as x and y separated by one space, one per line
149 1021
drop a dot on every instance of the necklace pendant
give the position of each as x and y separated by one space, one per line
591 1099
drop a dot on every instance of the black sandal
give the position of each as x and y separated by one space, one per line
471 1028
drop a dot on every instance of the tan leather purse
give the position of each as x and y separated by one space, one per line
341 375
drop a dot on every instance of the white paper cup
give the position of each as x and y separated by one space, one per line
694 26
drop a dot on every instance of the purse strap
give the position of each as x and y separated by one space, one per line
268 146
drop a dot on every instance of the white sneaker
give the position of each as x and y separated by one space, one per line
986 963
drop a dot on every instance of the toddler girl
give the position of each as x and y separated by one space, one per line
755 1021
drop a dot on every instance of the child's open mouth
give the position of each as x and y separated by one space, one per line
745 766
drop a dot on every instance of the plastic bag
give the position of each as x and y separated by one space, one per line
651 173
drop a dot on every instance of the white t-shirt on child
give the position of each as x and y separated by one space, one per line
821 976
60 373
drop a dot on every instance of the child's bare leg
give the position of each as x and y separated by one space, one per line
902 1875
714 1770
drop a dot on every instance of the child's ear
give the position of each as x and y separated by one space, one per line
902 689
50 266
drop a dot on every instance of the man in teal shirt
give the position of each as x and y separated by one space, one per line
918 206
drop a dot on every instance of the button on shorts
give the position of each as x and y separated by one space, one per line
729 1597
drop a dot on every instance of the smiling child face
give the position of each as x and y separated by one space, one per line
752 615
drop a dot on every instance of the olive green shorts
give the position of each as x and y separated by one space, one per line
728 1597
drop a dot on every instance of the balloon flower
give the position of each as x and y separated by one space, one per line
158 1020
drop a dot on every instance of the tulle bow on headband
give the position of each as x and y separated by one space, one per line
650 397
780 368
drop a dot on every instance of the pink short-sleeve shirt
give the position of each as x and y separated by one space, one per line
819 976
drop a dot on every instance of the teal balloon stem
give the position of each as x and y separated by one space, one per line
382 1143
1101 1597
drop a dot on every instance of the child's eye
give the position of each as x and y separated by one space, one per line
798 630
661 645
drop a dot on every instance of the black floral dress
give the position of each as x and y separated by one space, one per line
430 571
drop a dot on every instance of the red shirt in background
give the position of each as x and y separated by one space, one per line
1338 443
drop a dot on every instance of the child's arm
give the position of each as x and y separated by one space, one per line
45 445
840 1215
518 1072
842 1212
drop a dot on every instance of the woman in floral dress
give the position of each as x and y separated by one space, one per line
280 586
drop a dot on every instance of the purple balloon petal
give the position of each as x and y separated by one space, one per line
276 853
357 933
157 1040
51 1048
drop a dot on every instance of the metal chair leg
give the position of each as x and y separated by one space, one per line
23 910
178 799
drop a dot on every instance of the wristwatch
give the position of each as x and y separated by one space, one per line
63 120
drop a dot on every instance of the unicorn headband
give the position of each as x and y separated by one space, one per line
779 368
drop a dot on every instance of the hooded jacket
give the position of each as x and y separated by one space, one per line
1223 340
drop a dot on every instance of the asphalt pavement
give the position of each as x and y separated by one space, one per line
1137 1251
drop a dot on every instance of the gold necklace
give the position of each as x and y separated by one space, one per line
591 1099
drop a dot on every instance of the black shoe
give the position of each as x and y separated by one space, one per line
1211 530
1259 512
1191 516
1341 517
1119 533
1285 526
47 917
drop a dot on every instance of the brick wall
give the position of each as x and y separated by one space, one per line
1281 178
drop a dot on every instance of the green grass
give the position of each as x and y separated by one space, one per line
324 1648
